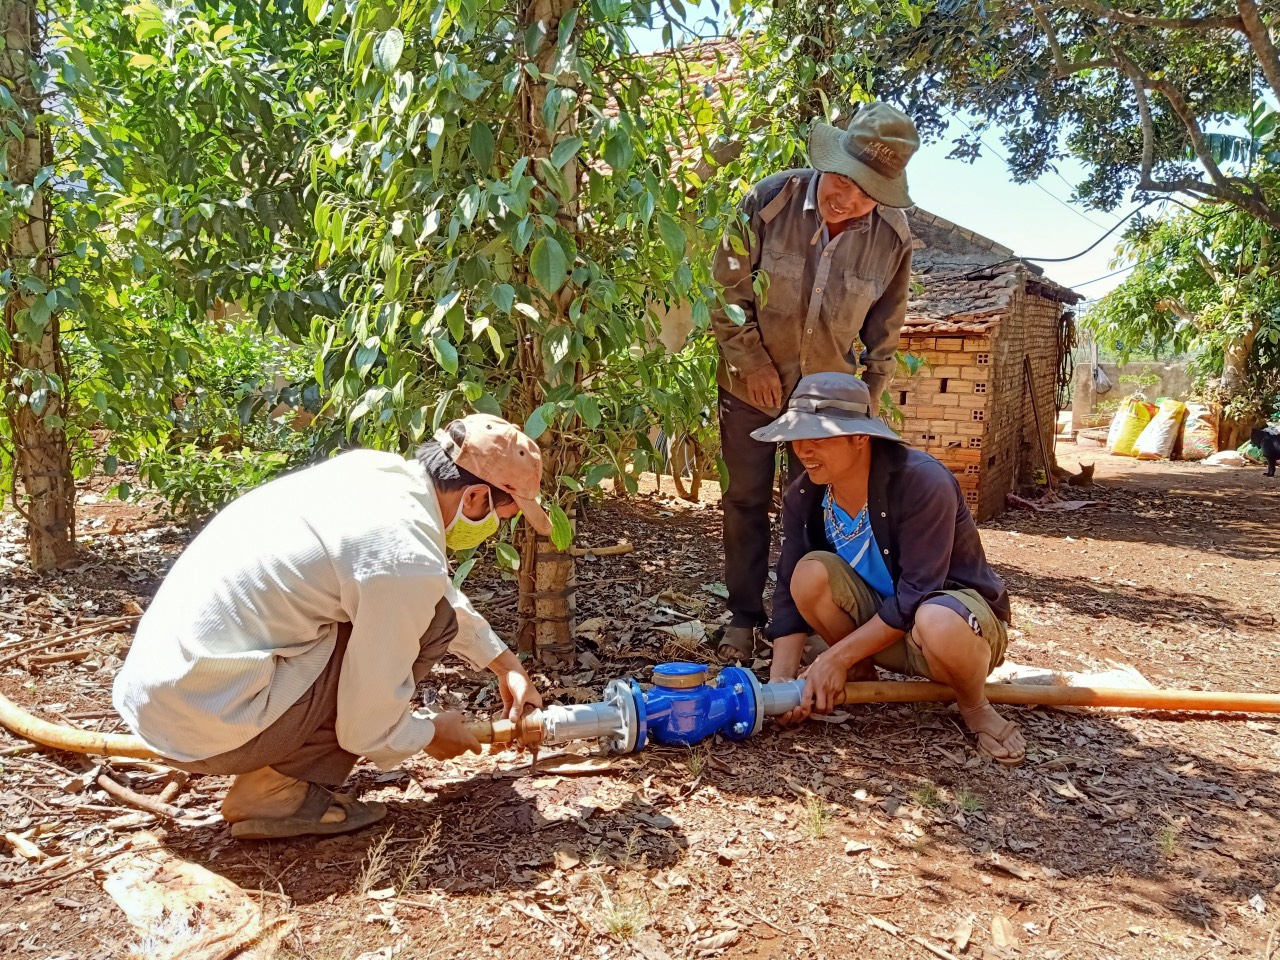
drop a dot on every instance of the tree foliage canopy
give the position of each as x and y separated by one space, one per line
435 206
1205 282
1136 92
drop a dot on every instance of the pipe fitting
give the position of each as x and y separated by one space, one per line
619 720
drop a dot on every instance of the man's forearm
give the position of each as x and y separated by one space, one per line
505 662
869 639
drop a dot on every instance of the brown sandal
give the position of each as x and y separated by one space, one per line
308 819
741 640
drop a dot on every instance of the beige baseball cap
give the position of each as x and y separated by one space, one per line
499 453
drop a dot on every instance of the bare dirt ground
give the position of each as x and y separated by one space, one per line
880 834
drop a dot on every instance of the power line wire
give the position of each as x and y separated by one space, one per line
1035 183
1115 273
1074 256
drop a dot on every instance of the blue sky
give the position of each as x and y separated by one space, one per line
1034 219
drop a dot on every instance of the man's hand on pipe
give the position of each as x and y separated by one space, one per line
519 695
451 737
787 653
823 685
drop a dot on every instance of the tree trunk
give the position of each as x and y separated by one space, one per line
1258 33
1236 358
34 375
547 573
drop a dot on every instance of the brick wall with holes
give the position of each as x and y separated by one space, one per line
968 406
1012 453
944 406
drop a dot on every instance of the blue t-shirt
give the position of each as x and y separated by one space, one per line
856 544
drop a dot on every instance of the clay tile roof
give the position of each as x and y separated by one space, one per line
960 304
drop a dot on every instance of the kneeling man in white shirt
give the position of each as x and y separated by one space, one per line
288 639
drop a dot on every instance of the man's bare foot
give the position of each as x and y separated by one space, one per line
266 794
998 738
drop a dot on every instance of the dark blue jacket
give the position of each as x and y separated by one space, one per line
921 524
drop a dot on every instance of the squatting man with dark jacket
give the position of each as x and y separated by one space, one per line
289 637
817 280
882 559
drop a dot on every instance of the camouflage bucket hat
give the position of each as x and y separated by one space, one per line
872 152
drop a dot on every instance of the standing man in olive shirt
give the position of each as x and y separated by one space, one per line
822 263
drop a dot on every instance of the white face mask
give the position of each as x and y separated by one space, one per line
463 533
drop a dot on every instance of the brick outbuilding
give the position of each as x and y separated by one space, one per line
993 332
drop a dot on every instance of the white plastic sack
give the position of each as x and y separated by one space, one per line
1159 436
1101 382
1227 458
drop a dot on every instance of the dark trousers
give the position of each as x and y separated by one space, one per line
751 468
303 742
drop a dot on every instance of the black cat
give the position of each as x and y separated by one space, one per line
1268 438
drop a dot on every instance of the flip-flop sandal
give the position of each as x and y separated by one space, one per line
742 640
1013 761
307 821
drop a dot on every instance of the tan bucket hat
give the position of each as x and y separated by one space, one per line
873 152
499 453
827 405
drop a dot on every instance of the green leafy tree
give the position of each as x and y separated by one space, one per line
169 139
501 201
1205 282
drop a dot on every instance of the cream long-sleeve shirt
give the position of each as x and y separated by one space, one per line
247 618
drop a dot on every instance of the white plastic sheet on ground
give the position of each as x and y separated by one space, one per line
181 911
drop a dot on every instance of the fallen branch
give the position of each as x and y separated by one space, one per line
177 780
896 932
142 802
24 847
762 918
936 950
67 636
66 656
534 912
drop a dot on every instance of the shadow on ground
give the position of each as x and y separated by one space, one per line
491 836
1232 512
1104 796
1143 606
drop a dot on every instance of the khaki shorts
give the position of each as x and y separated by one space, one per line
852 595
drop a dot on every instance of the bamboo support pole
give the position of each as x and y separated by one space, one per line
1034 694
59 737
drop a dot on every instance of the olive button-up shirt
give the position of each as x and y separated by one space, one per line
807 300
